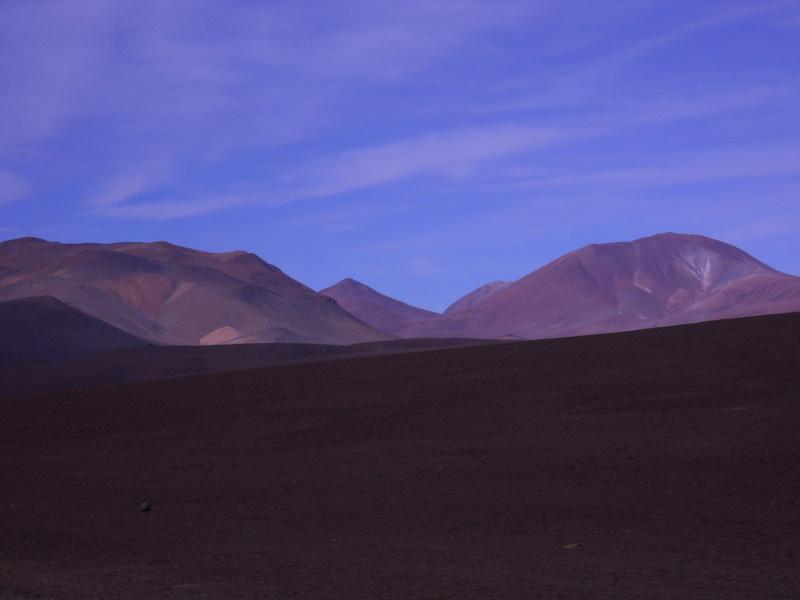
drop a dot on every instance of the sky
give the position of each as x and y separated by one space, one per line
424 147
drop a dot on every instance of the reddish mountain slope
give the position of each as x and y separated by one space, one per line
165 293
477 296
36 330
380 311
170 294
664 279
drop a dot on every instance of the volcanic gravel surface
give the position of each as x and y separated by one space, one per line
661 464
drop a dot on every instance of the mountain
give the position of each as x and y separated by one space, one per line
169 294
372 307
43 329
660 280
477 296
173 295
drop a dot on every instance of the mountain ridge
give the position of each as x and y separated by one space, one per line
377 309
169 294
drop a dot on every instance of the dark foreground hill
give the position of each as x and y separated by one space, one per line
43 329
150 362
651 465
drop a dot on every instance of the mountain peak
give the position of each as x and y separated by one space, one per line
705 259
376 309
352 286
667 278
25 243
350 281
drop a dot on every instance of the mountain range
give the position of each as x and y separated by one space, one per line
665 279
167 294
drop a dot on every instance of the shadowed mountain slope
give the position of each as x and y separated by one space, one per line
43 329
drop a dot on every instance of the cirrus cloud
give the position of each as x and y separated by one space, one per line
12 187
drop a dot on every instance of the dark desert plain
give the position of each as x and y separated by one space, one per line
656 464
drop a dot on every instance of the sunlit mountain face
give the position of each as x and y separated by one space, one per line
169 294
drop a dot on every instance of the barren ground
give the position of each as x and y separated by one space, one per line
660 464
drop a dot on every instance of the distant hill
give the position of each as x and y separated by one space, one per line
43 329
379 310
660 280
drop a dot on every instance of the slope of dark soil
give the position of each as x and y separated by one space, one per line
158 362
660 464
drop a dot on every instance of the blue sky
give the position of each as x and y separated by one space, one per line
423 147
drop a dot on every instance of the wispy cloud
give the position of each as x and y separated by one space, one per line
188 84
710 165
345 218
764 227
50 59
460 154
172 209
599 80
122 188
732 13
12 188
457 154
142 100
451 154
185 85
